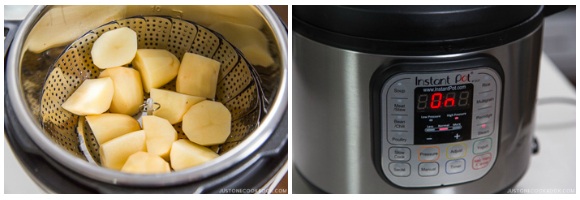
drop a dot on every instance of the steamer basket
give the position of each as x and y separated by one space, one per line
238 84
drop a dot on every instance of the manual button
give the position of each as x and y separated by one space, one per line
428 169
400 169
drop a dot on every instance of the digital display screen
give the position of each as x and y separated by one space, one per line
443 114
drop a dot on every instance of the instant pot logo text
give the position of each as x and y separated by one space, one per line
459 78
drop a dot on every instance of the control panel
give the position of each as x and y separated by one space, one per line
439 127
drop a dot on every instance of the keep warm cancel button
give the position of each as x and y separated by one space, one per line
481 161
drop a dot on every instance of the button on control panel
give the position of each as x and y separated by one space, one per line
440 128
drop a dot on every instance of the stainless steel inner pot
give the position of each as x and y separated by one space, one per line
33 48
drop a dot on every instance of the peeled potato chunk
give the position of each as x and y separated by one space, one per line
145 163
160 135
173 104
198 76
207 123
186 154
93 97
114 48
157 67
115 152
128 94
108 126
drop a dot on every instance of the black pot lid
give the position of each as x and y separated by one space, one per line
437 26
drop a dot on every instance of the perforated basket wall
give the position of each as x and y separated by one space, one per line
238 83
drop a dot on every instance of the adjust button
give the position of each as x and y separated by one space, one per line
455 151
430 153
482 146
428 169
399 153
400 169
455 166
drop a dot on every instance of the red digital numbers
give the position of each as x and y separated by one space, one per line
436 100
439 100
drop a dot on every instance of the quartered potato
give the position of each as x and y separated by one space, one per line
186 154
108 126
114 48
115 152
128 90
157 67
93 97
198 76
159 135
207 123
173 104
145 163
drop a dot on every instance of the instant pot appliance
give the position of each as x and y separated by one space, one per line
49 57
415 99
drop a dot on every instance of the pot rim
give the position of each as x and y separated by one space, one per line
239 153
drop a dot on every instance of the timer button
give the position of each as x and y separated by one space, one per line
482 146
400 169
428 169
455 166
399 153
430 153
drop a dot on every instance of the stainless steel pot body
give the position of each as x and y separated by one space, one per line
17 69
332 146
